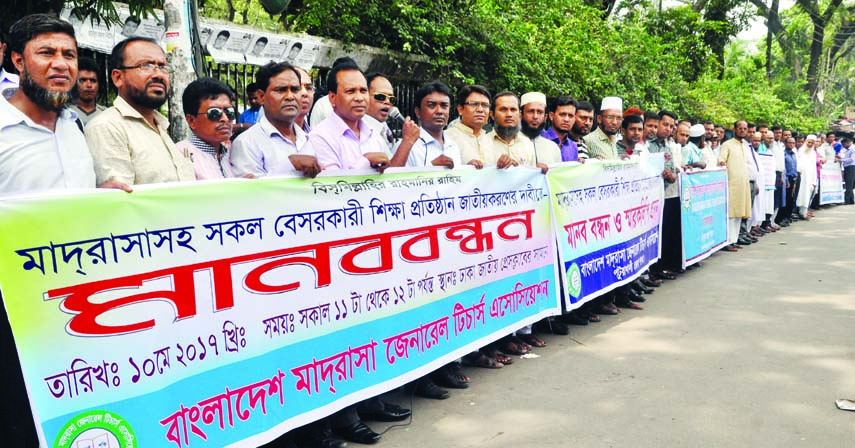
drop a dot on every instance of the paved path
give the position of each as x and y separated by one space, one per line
750 350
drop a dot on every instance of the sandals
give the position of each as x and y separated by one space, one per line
479 359
498 356
514 346
532 340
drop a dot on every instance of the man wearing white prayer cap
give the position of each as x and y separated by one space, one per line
533 122
602 143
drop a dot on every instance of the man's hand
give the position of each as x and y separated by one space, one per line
476 163
308 165
722 163
378 160
410 131
443 160
543 167
505 161
113 183
669 176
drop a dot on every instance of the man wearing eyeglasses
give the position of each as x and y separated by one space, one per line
602 143
276 145
473 105
209 114
128 141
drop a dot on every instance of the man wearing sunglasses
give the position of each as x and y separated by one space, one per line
128 141
209 114
276 145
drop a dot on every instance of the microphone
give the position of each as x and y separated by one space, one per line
395 114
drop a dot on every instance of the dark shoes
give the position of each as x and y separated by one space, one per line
389 413
551 326
574 318
358 432
651 282
425 388
638 287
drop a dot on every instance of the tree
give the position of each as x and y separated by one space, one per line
819 20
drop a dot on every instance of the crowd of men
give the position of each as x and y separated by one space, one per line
53 135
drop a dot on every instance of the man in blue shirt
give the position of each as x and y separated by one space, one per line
250 116
562 115
791 174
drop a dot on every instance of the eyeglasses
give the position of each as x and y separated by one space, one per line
148 68
382 97
477 104
215 113
611 118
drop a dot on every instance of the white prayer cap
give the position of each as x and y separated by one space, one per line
612 103
697 130
532 97
810 137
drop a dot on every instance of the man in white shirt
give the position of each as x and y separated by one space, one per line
8 81
275 145
41 148
433 148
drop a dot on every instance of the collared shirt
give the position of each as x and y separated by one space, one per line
601 146
262 150
520 149
826 152
472 147
791 163
249 116
569 149
691 154
661 145
427 148
847 156
383 130
84 116
8 84
34 158
125 146
339 148
209 162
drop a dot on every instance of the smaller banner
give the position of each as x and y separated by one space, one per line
831 184
607 220
703 197
767 169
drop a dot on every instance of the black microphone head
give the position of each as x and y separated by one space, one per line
395 114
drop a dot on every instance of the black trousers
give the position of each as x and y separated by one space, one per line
848 184
17 428
672 238
790 202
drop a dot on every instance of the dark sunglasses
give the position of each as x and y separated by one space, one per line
382 97
215 113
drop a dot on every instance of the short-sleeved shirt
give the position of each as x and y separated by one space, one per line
383 130
262 150
427 148
125 146
691 154
34 158
337 147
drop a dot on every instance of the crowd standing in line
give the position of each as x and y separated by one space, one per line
54 136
